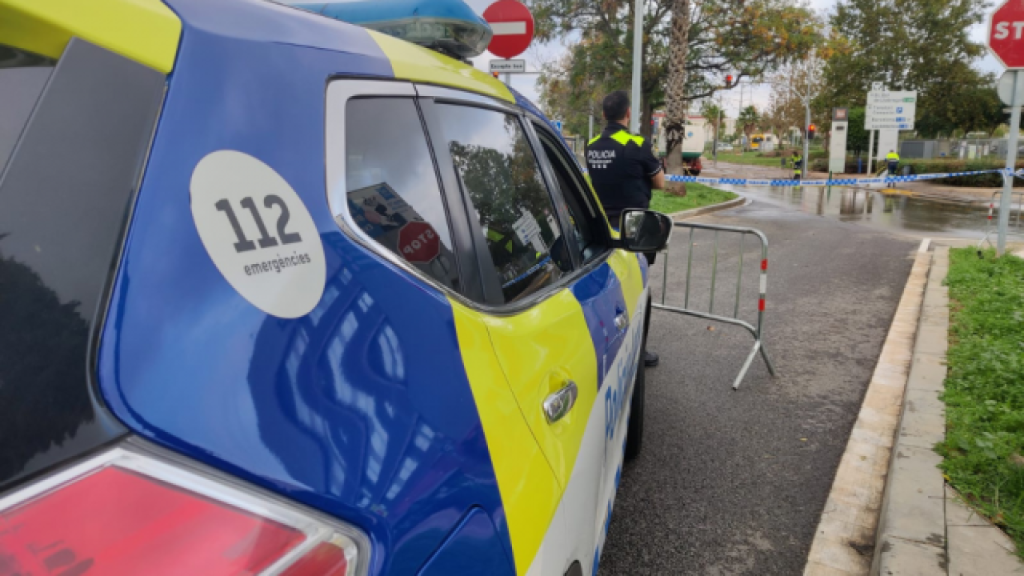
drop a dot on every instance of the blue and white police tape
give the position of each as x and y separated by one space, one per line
834 181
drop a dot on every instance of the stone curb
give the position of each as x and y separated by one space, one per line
925 528
912 525
845 536
739 201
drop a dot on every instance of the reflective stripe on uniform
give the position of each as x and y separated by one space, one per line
623 137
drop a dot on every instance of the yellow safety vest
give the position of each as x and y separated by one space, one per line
892 157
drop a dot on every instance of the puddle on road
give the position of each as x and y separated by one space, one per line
889 209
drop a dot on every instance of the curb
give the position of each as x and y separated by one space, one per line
740 200
912 523
845 536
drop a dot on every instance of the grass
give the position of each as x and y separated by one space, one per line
697 195
984 446
749 158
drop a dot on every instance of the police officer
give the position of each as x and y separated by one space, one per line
798 161
893 159
623 170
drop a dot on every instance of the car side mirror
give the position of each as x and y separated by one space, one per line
644 230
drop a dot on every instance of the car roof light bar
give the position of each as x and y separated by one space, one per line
450 27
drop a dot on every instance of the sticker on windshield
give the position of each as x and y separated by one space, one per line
258 233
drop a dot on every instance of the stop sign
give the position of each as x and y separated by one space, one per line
512 25
418 242
1006 33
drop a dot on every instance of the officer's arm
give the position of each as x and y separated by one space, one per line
658 181
652 166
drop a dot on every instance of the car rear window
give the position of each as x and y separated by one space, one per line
392 187
73 137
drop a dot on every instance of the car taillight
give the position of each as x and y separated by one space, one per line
127 512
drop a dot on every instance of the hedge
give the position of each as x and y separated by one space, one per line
938 166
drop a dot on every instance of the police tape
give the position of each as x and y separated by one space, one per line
834 181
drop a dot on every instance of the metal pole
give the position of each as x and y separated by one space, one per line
871 149
718 126
590 129
638 34
807 126
1011 160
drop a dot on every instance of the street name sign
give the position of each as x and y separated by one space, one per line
1006 33
506 66
890 110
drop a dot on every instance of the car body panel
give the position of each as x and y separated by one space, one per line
361 408
391 405
146 31
411 62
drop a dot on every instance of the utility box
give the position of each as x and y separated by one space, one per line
923 149
837 144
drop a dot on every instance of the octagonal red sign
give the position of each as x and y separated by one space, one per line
512 25
418 242
1006 33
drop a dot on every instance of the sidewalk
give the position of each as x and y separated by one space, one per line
924 528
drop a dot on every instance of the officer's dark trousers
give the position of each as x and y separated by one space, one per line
892 167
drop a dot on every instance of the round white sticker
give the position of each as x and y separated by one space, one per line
258 233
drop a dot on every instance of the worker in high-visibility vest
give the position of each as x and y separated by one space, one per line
893 160
798 162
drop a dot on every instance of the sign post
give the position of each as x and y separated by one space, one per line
888 112
512 26
1005 43
837 144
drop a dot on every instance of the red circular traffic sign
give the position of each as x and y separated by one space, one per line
512 25
418 242
1006 33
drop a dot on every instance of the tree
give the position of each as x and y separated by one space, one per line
676 103
744 37
921 45
714 114
748 121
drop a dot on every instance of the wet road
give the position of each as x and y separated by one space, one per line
733 483
893 210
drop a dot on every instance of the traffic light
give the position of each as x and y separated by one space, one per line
810 131
728 79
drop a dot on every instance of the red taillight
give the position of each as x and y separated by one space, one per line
124 514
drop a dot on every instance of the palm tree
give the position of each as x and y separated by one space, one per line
714 114
748 121
675 89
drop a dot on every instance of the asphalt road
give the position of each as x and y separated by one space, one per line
733 483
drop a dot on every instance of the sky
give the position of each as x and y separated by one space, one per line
538 54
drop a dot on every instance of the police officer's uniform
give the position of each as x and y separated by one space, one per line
621 166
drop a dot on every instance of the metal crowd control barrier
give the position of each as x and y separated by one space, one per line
1013 226
756 331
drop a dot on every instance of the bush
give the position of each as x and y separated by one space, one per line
939 165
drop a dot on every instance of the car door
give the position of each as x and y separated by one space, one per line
557 321
613 286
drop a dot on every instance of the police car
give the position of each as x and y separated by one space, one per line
284 295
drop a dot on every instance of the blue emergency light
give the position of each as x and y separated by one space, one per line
447 26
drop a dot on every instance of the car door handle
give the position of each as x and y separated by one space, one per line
558 404
621 321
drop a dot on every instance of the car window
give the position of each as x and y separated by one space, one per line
586 222
501 177
22 79
392 188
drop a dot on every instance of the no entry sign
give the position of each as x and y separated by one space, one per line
512 25
418 242
1006 33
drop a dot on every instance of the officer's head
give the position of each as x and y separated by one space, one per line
616 106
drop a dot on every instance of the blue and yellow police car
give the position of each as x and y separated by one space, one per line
284 295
